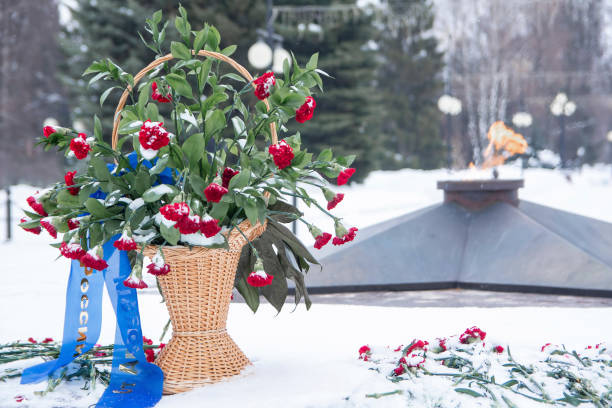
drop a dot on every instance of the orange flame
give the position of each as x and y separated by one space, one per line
503 143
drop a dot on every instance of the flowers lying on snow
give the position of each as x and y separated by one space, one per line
152 137
79 146
282 154
263 85
259 279
364 352
471 335
306 111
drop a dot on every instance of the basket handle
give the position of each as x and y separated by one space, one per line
241 70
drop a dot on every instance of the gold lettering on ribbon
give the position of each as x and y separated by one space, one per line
78 349
84 302
83 318
129 367
84 285
82 334
88 271
125 388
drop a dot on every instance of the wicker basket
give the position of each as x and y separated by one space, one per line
198 290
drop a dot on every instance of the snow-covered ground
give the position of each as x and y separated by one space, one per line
309 359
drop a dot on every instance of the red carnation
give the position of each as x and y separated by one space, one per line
153 136
335 201
399 370
263 85
209 227
72 251
417 345
35 230
498 349
48 131
322 240
227 175
306 111
156 96
134 283
345 175
146 340
73 224
188 225
364 353
259 279
49 227
175 211
125 243
20 398
92 260
31 340
442 344
150 355
282 154
79 146
36 206
157 270
546 345
47 340
214 192
349 236
472 334
69 179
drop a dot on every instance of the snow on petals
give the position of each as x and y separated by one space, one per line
134 283
263 85
157 96
259 279
35 230
125 242
209 226
157 266
49 227
69 179
175 211
306 111
152 137
72 250
36 206
79 146
93 259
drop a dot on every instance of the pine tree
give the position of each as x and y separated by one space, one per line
409 80
109 29
346 114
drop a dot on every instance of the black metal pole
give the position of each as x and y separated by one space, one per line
269 26
562 140
449 129
8 214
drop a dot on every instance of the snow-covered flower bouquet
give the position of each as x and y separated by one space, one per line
192 157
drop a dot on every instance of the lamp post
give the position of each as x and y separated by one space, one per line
450 106
267 52
562 107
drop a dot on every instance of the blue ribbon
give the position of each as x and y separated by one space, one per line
134 382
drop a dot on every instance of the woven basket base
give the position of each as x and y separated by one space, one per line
192 361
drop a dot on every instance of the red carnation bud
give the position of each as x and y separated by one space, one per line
399 370
349 236
157 96
72 250
322 240
31 340
259 279
125 242
93 259
334 201
47 340
282 154
263 85
35 230
69 179
498 349
49 227
214 192
228 174
48 131
345 175
364 351
209 226
73 224
175 211
306 111
79 146
36 206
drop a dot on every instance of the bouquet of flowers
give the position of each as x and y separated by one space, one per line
190 160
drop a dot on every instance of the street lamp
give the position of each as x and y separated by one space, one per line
562 107
267 52
450 106
260 55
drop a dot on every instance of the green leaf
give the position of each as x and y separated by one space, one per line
180 85
157 16
325 155
180 50
509 383
214 38
197 184
200 39
106 93
142 182
170 234
100 170
160 165
194 148
229 50
250 208
245 267
97 128
155 193
96 208
67 200
235 77
468 392
95 234
292 241
241 180
313 61
219 210
204 72
214 123
239 127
